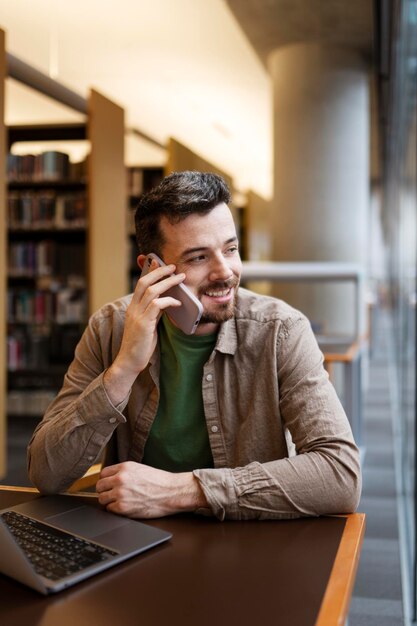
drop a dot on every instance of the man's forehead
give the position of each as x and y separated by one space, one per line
198 230
198 221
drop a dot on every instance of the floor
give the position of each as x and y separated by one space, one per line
377 595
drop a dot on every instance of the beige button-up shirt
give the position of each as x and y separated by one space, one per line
281 443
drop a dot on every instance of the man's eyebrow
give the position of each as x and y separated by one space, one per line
204 248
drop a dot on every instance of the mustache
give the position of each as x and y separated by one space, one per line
220 284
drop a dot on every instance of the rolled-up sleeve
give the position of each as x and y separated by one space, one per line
78 424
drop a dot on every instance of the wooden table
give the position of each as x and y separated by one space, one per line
293 573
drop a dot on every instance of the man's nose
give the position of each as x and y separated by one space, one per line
220 269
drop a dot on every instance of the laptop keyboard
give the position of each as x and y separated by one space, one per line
53 553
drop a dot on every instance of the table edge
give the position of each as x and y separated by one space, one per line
335 604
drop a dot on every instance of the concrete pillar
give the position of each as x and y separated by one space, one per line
321 172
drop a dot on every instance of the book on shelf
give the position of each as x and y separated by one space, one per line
51 165
135 181
65 306
46 258
141 179
46 210
27 350
33 402
36 348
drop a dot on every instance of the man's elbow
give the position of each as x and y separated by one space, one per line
45 485
47 482
348 494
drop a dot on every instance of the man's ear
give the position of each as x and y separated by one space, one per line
141 260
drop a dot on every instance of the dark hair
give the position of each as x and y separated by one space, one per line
178 195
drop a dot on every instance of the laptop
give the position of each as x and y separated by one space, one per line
53 542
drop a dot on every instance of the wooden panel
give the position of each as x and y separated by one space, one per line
107 232
335 605
181 158
3 257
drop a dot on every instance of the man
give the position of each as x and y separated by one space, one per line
205 422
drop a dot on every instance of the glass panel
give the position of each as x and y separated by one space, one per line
400 221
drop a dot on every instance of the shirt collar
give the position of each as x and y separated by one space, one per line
226 341
227 337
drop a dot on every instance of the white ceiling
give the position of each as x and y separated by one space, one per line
180 68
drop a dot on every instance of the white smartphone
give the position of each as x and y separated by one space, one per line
186 316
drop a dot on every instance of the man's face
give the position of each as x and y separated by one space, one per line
205 248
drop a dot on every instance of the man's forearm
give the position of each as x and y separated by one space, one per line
118 383
71 437
317 483
141 491
190 496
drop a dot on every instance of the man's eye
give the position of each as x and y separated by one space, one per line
196 259
233 249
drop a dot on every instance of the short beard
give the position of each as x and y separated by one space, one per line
217 317
225 311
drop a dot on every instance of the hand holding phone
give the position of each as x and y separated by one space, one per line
188 315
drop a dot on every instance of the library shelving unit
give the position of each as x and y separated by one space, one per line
46 268
140 179
64 254
3 259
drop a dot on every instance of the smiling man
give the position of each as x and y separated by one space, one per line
238 420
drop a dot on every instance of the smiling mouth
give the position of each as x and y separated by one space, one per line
219 293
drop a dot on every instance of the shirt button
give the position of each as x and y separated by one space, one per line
90 458
214 429
112 420
209 377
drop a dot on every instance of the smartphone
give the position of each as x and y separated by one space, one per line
186 316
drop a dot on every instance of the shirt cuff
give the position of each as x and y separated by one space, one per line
225 487
96 410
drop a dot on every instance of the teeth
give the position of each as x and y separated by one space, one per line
217 294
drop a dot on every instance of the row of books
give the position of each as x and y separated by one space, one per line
50 165
45 258
46 209
66 306
41 349
29 402
26 351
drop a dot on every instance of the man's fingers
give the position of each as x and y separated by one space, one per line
106 497
110 470
160 274
156 290
157 305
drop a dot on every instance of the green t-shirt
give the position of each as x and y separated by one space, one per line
178 441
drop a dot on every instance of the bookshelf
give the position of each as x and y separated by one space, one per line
46 269
3 262
140 179
63 250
